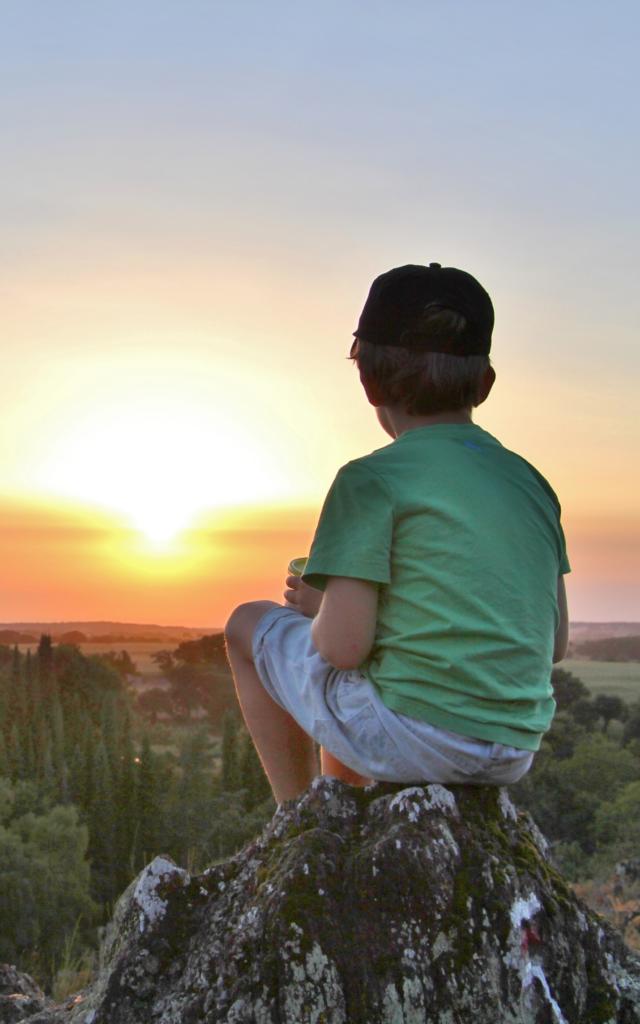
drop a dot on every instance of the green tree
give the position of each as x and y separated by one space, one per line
230 752
192 803
44 880
102 829
567 688
609 708
585 713
253 780
632 725
617 822
125 806
148 825
44 662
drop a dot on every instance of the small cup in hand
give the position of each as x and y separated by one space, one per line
297 566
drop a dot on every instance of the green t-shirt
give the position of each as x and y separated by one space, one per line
464 538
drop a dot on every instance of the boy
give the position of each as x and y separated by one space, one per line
418 645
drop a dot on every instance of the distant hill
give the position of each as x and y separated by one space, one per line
582 631
106 632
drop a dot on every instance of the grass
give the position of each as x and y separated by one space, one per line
614 678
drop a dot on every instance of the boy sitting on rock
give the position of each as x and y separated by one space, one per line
417 646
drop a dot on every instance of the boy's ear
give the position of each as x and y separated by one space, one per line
372 391
487 382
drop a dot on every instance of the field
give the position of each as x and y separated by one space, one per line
615 678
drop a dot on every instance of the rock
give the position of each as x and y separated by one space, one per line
20 997
388 905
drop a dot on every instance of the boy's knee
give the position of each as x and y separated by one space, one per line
238 632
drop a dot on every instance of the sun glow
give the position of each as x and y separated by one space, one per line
161 464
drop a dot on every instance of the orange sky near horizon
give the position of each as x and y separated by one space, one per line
71 563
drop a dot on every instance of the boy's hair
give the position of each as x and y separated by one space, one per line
423 382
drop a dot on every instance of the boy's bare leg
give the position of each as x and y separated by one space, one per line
332 766
286 751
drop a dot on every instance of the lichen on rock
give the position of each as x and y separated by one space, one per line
387 905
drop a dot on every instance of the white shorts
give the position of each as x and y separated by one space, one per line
343 712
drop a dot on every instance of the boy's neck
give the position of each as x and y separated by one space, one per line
396 421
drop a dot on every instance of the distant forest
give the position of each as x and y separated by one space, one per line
617 648
98 777
91 790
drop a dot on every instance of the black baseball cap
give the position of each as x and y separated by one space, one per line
397 301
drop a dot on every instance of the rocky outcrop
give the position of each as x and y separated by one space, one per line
20 996
390 905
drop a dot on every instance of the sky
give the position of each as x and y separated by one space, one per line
195 199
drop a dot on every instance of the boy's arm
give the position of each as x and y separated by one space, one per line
343 631
562 632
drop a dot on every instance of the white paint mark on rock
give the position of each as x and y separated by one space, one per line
523 910
535 971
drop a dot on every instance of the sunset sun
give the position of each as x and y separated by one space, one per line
159 463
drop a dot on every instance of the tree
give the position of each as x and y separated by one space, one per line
230 753
121 661
632 725
253 780
148 821
608 708
44 882
102 829
567 688
153 702
585 713
209 650
125 806
618 821
192 803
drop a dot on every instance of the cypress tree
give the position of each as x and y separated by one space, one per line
146 805
126 805
109 731
193 799
16 755
88 782
44 662
41 738
102 847
17 706
5 769
57 750
253 780
230 753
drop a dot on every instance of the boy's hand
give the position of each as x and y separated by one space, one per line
301 597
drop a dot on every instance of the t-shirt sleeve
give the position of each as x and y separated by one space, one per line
353 536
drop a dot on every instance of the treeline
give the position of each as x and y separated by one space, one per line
611 648
87 797
584 787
